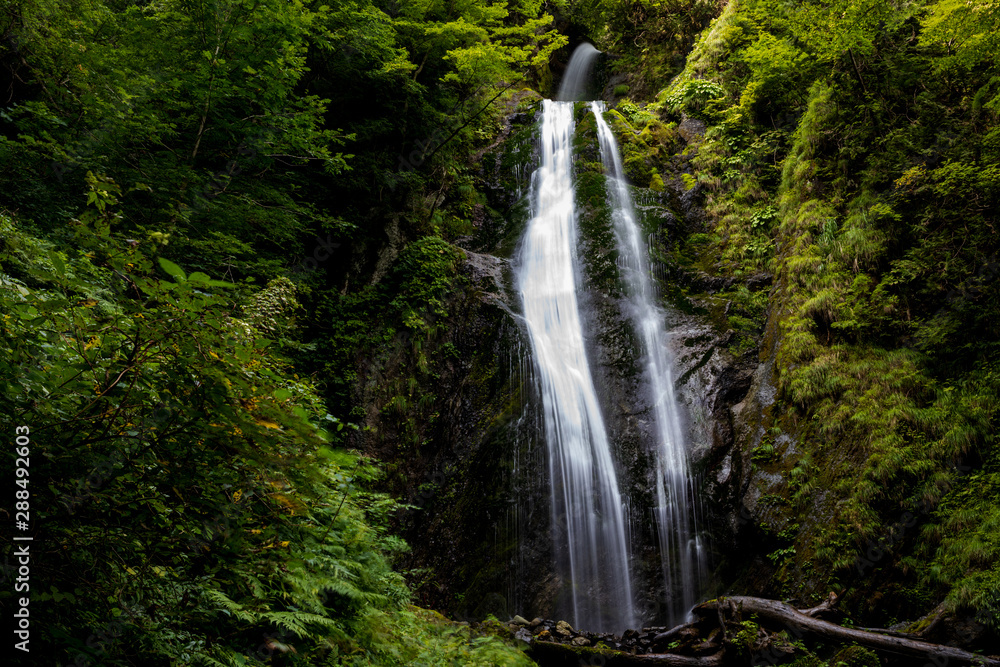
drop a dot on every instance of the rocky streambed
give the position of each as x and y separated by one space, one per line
553 643
647 640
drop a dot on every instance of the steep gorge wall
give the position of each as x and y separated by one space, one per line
465 446
454 417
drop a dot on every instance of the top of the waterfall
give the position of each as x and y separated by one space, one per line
574 83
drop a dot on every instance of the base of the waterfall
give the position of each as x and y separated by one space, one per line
636 642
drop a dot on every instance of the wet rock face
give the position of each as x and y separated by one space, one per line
505 170
453 418
712 387
465 454
691 129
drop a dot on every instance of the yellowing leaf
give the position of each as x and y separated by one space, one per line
268 424
285 502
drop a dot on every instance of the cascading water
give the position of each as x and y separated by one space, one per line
588 513
680 549
577 77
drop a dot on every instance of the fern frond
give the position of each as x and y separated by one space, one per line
298 621
223 601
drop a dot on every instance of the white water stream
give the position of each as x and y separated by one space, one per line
590 524
588 513
681 551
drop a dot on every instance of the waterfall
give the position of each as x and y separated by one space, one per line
588 513
675 512
574 82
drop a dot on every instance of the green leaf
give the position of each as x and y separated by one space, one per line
57 262
172 269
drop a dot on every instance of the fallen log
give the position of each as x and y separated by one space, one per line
891 633
799 625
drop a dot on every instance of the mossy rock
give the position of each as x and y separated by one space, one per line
656 182
596 232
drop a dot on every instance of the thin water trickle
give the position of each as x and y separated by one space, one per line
589 522
675 511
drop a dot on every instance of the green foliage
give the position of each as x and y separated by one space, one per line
747 637
747 311
968 31
202 104
185 479
298 145
850 152
271 311
656 182
425 272
764 453
421 637
477 42
185 453
694 96
225 112
855 656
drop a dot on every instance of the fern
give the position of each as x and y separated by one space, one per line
222 600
